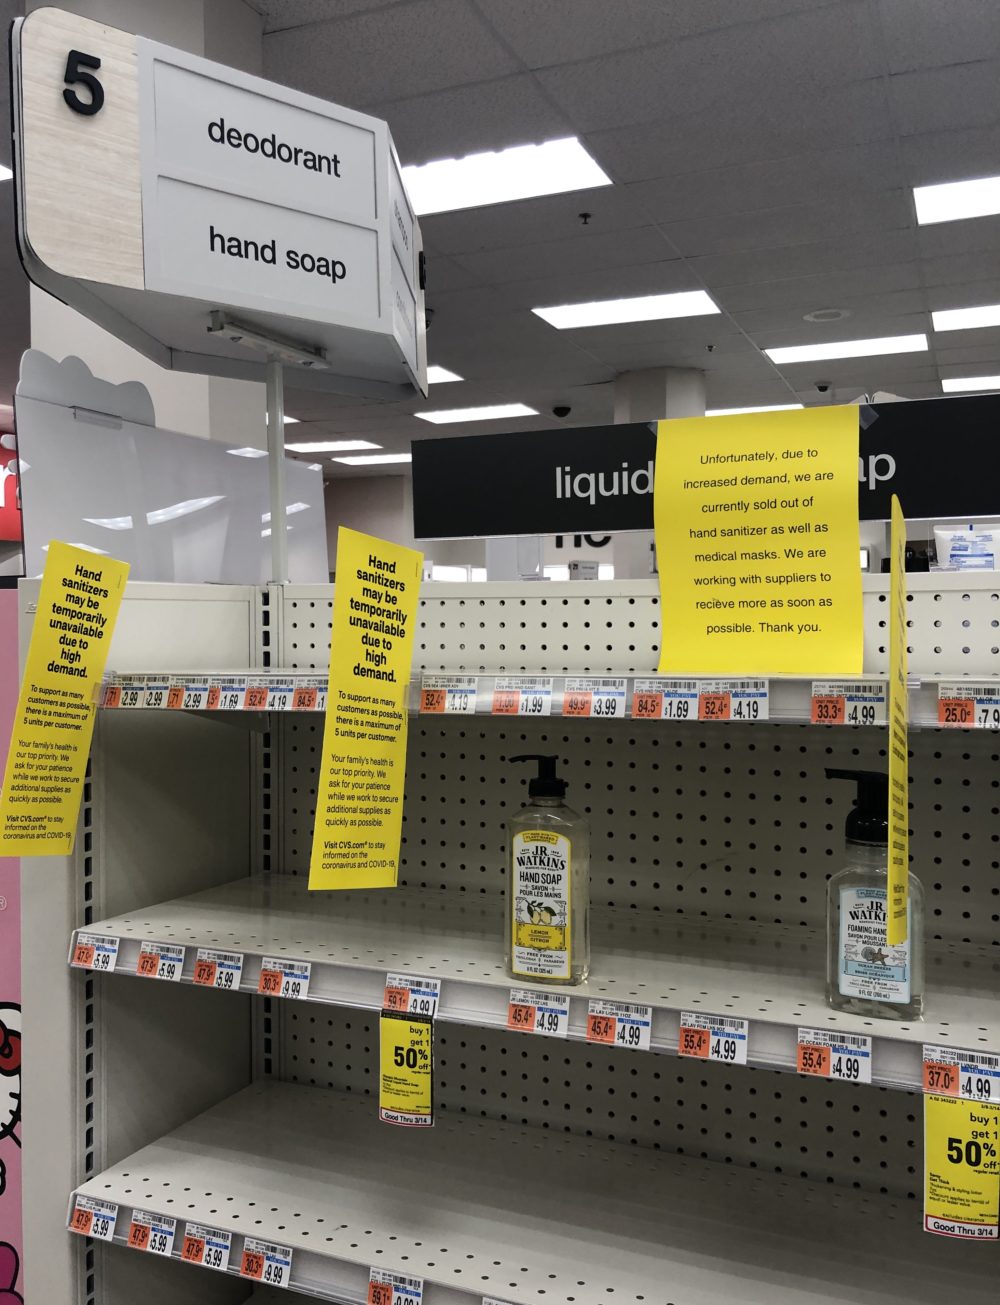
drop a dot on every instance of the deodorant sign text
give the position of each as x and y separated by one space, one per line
359 803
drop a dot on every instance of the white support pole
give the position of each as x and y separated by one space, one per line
276 469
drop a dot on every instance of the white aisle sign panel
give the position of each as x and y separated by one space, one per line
142 167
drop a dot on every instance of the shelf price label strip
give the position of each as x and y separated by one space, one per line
280 977
969 1075
408 995
450 695
209 1247
385 1288
94 951
93 1218
160 961
961 1168
619 1023
827 1053
969 706
214 969
522 695
266 1262
546 1013
703 700
152 1232
603 699
713 1037
848 702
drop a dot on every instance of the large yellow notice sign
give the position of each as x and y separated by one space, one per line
757 543
359 802
899 738
43 782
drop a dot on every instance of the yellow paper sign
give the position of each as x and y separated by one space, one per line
961 1168
359 803
43 782
406 1063
899 746
757 543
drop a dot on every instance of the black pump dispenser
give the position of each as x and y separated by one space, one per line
546 783
868 821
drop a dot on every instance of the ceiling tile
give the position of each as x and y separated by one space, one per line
929 34
951 155
868 317
967 237
580 256
281 14
804 260
819 332
962 269
945 99
822 290
984 290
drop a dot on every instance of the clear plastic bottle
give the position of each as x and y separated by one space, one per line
866 975
548 884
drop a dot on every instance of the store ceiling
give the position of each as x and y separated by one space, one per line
763 150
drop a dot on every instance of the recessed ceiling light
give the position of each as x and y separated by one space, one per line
495 412
371 459
964 319
439 375
644 308
501 175
969 384
736 412
957 199
827 315
796 353
332 446
248 453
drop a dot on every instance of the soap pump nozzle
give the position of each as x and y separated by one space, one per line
868 820
546 783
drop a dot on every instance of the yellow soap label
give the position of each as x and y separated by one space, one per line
406 1062
961 1168
541 945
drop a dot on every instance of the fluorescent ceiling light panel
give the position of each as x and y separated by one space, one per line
644 308
332 446
501 175
796 353
289 421
5 175
248 453
737 412
969 384
965 319
495 412
957 199
374 459
440 375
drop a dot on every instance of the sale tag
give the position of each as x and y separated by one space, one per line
619 1023
826 1053
281 978
255 694
208 1247
713 1037
448 695
386 1288
157 692
971 1075
218 969
745 700
665 700
160 961
279 696
93 1218
848 702
961 1169
151 1232
538 1012
522 695
406 1064
411 996
94 951
266 1262
602 699
969 706
227 694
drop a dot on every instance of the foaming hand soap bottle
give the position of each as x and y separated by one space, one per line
548 884
864 974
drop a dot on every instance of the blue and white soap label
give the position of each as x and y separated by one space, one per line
869 967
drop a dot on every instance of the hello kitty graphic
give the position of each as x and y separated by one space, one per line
10 1081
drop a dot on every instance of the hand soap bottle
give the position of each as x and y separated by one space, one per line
864 974
548 884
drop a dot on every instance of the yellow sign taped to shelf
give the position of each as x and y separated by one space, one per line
406 1065
78 604
359 802
961 1168
757 543
897 927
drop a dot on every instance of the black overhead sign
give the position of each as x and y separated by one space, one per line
941 456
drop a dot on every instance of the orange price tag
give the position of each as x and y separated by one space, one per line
827 711
148 965
204 973
520 1016
175 696
304 700
396 999
214 694
380 1293
601 1028
578 704
113 695
942 1080
956 711
80 1221
83 954
269 982
812 1059
432 701
713 706
255 698
138 1236
694 1042
647 706
193 1248
506 702
252 1265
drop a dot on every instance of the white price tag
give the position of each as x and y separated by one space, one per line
157 692
522 695
209 1247
411 996
196 696
714 1037
665 700
160 961
848 702
619 1024
133 693
969 706
739 700
214 969
600 699
386 1288
953 1072
94 951
279 696
827 1053
93 1218
151 1232
448 695
266 1262
227 694
281 978
529 1011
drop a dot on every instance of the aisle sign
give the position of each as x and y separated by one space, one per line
899 744
827 1053
209 1247
756 523
713 1037
359 805
546 1013
406 1070
43 783
961 1168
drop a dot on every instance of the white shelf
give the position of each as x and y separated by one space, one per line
771 976
479 1208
